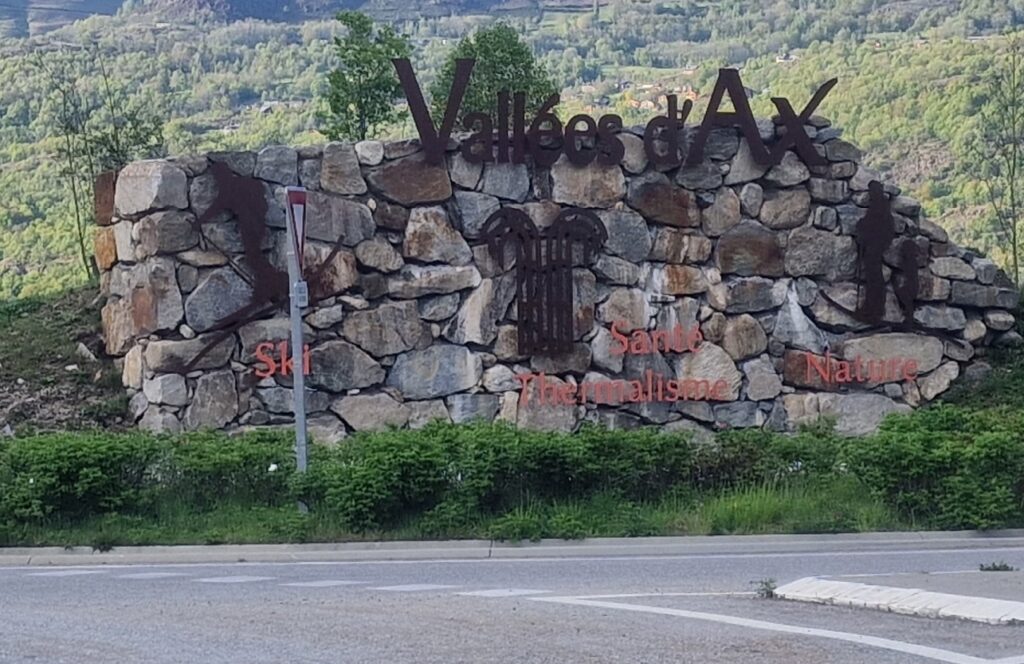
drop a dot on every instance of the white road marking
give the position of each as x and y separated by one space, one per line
68 572
852 576
413 587
707 594
322 584
235 579
928 652
503 592
152 575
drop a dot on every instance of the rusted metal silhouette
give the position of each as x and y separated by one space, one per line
245 199
909 284
874 233
544 262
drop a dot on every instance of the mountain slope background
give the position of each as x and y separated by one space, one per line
911 79
19 18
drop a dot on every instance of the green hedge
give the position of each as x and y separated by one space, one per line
948 467
944 467
71 476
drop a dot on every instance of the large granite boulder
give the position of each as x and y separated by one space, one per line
337 366
412 181
215 402
430 238
339 172
219 295
435 372
150 185
391 328
371 412
593 187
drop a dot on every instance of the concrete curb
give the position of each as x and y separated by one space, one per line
486 549
907 601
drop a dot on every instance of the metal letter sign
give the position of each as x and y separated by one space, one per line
545 138
299 298
544 262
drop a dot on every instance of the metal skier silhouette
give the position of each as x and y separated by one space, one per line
245 199
544 262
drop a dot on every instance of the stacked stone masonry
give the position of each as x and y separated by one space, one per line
420 322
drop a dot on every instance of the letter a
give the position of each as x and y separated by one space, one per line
729 80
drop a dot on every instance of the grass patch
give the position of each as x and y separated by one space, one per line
46 383
41 336
1004 386
742 511
831 506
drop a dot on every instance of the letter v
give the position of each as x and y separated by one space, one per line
434 141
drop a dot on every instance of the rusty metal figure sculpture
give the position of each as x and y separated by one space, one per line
874 234
544 263
245 199
909 284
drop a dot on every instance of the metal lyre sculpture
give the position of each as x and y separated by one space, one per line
544 263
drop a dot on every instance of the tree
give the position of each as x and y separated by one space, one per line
998 149
503 62
99 130
364 87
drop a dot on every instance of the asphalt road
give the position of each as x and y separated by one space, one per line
689 607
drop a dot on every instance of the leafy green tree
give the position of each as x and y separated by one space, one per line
363 88
503 62
998 149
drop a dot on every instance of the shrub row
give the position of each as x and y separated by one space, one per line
71 476
946 467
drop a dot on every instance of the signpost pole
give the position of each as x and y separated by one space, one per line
298 298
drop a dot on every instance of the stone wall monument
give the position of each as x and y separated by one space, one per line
734 289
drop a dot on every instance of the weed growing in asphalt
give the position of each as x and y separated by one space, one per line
765 588
1001 566
104 541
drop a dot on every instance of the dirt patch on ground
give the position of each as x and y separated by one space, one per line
53 375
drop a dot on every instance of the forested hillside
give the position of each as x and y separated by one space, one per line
910 80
